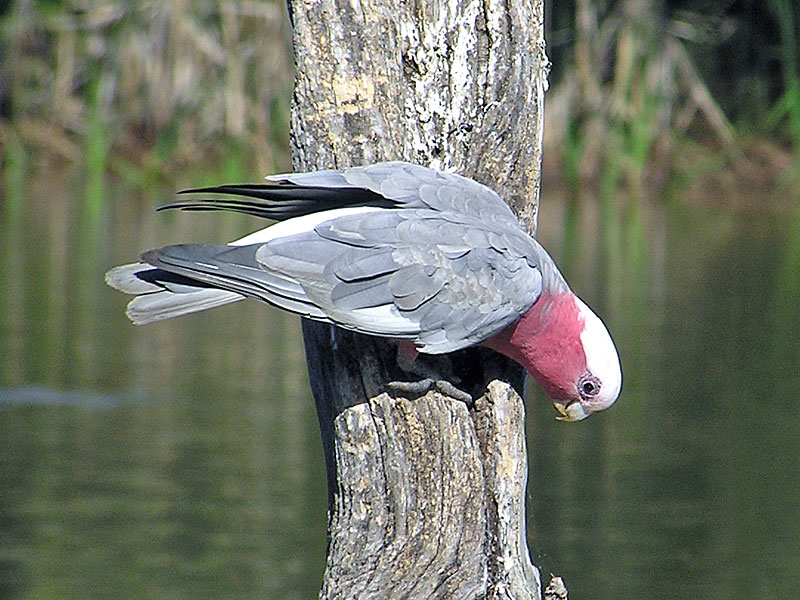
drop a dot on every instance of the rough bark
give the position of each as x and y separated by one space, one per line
426 495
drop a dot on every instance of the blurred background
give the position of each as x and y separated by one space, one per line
182 459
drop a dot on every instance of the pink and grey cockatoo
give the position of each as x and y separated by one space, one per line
394 250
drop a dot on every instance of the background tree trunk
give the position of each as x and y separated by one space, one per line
426 495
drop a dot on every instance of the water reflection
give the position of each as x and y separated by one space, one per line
182 459
689 486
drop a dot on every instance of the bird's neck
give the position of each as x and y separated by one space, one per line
547 342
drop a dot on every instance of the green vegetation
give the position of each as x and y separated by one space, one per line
641 92
190 462
96 150
13 165
144 88
788 107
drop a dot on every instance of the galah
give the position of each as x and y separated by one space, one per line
394 250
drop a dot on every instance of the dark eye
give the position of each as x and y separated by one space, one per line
589 386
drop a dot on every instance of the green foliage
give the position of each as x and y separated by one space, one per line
786 308
640 83
144 88
97 145
154 85
13 163
789 104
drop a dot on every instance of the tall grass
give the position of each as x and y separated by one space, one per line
789 105
786 307
97 146
194 82
621 112
13 162
178 81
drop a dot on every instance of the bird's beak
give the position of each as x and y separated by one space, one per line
574 411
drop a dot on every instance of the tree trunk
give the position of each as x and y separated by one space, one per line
426 495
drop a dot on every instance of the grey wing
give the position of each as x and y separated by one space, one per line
186 278
443 281
413 186
163 295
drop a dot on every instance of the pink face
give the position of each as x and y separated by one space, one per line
567 349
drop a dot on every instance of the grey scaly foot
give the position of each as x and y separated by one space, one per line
424 385
431 379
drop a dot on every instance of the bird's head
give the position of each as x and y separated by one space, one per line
568 350
598 385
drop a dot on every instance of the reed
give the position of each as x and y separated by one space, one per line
13 164
785 311
179 80
191 82
622 112
97 142
12 240
789 105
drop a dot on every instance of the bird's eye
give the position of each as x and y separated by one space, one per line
589 386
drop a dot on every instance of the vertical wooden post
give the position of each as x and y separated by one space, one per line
426 495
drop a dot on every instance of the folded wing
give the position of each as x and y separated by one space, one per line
391 249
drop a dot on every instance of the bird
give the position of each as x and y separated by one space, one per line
430 259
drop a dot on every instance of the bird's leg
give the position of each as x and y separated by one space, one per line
407 361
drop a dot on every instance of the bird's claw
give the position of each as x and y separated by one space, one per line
422 386
430 377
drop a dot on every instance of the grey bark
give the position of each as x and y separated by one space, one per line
426 495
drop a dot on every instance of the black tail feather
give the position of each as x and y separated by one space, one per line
277 201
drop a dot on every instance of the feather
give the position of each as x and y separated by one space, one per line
159 306
361 294
124 278
357 266
391 249
275 201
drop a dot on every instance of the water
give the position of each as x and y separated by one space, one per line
182 459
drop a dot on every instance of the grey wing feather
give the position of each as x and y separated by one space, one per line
451 296
124 278
171 297
386 287
414 285
447 269
159 306
386 185
413 186
367 292
235 269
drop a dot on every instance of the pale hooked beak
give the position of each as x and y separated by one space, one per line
574 411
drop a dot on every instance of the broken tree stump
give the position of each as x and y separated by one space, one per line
426 494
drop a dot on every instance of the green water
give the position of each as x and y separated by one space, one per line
182 459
